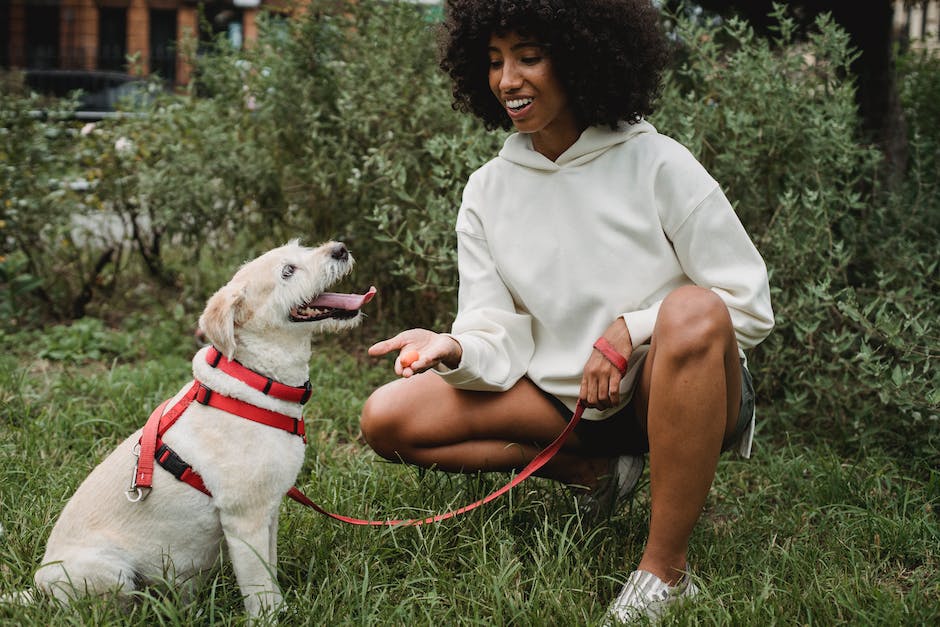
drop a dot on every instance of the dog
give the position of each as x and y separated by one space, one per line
113 539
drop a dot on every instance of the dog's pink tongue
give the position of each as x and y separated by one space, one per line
349 302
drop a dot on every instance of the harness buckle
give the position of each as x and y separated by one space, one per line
203 394
308 391
215 357
171 462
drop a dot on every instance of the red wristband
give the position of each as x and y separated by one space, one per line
607 350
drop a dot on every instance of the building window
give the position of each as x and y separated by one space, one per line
42 37
163 44
222 20
4 34
112 38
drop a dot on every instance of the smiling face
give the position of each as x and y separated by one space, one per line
522 78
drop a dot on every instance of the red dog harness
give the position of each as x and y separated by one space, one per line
151 446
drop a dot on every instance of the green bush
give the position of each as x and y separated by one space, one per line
78 208
359 140
337 125
853 267
919 91
87 208
85 339
40 266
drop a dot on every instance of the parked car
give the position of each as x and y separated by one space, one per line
101 92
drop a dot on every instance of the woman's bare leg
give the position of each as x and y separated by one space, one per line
424 421
689 395
688 398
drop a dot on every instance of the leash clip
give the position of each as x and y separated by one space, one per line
134 493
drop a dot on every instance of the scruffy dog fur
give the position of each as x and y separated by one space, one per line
104 543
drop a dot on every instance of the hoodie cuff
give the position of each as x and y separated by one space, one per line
463 373
640 323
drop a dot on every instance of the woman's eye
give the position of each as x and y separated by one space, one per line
288 271
531 60
495 65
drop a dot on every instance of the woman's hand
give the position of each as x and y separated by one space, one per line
419 350
600 384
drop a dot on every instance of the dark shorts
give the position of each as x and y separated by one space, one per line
622 434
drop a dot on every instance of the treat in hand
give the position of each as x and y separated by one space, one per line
409 358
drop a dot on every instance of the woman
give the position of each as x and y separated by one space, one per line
587 225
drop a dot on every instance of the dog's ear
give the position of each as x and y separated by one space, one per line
221 313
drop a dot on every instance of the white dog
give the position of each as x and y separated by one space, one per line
109 538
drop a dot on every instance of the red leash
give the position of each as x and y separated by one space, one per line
153 450
602 345
537 462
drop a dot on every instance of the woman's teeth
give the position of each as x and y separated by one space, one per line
518 103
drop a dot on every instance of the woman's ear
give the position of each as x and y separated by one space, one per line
218 319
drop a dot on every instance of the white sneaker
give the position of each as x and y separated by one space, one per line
646 596
619 483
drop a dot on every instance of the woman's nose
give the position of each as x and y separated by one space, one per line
510 78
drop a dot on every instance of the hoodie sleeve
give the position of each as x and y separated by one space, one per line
716 252
496 340
711 245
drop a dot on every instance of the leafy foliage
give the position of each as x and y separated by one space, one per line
38 257
919 87
85 339
362 144
853 282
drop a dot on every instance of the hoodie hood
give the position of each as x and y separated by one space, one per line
594 141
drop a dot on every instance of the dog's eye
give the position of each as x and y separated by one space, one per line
288 271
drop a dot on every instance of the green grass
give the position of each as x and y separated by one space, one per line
800 534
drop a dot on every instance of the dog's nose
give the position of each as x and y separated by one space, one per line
340 252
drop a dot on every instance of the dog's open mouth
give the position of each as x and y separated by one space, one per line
331 305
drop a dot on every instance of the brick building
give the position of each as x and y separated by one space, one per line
101 34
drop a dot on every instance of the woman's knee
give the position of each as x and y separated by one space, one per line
405 415
693 322
382 421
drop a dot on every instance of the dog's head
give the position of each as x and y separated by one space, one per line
284 290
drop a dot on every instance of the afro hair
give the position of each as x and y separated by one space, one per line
609 55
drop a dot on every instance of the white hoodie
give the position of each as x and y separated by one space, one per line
551 253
